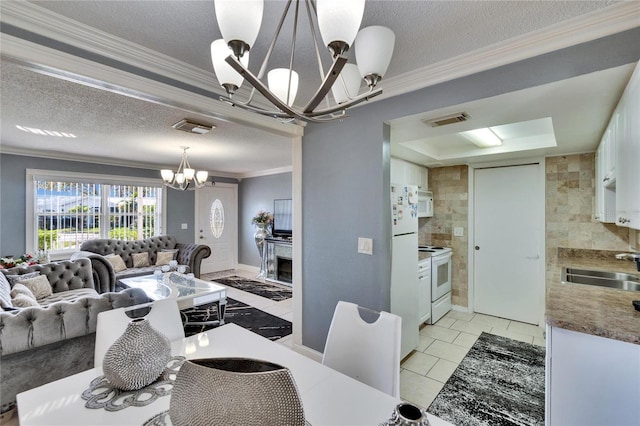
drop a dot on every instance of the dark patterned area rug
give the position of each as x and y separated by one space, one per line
260 322
499 382
256 287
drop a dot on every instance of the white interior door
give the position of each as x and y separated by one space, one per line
216 225
508 215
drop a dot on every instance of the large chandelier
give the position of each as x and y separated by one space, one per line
186 178
338 23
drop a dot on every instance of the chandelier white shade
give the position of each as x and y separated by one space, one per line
227 76
338 23
278 80
239 20
347 85
185 178
374 47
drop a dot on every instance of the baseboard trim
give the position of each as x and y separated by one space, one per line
459 308
248 268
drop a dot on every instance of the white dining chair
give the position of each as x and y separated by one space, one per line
164 317
366 351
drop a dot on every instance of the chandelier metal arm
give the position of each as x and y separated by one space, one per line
338 63
343 106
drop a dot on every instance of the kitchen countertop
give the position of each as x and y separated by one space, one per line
599 311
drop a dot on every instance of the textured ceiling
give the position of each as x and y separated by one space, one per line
126 130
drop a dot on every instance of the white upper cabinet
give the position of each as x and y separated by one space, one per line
408 173
628 155
618 162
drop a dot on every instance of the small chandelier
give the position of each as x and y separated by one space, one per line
185 178
338 23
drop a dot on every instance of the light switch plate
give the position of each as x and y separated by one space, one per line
185 226
365 245
458 231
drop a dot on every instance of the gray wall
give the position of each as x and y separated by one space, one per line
180 204
345 177
255 194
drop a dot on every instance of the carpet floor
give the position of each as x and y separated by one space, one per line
260 322
499 382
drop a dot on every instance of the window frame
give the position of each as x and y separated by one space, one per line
31 218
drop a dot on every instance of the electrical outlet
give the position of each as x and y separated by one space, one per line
185 226
458 231
365 245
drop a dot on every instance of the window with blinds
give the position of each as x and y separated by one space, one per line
67 212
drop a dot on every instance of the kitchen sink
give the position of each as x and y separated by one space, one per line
617 280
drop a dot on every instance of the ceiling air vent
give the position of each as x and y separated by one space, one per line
447 119
191 127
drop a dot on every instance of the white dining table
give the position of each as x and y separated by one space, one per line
328 397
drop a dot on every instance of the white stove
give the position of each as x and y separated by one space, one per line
439 260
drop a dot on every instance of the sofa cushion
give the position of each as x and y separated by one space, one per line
21 289
117 262
39 286
140 259
174 251
69 296
23 301
19 277
5 292
164 257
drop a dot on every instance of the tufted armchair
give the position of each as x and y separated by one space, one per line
105 278
43 343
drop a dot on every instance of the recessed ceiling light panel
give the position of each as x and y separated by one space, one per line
483 138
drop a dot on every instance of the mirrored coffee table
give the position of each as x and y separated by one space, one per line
189 292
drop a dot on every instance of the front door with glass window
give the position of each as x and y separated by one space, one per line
216 213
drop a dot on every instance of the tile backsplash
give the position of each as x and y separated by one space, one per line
569 193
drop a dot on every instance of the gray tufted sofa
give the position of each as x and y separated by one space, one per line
106 279
56 339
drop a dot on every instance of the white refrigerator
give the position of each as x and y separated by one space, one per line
404 262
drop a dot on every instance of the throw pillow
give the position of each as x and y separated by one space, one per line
163 258
140 259
39 286
24 301
117 262
174 251
5 292
21 289
15 278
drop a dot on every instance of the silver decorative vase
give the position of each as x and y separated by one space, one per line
138 357
259 237
234 391
406 414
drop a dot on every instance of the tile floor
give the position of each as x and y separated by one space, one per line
443 345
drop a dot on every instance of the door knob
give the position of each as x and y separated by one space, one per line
477 247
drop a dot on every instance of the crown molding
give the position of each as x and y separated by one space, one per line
611 20
53 155
276 171
616 18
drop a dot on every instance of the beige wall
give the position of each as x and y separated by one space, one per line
569 215
450 186
570 200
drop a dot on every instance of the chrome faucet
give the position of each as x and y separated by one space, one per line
630 256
